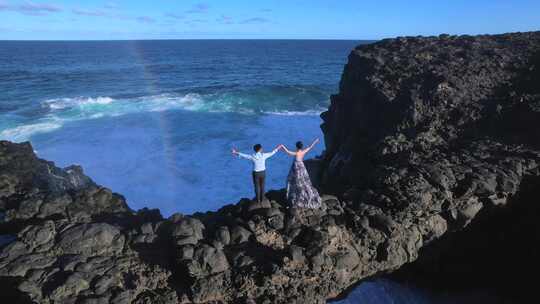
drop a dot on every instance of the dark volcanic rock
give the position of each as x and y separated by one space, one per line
426 137
91 239
411 100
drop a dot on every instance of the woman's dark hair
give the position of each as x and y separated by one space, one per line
257 147
299 145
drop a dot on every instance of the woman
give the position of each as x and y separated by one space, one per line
300 191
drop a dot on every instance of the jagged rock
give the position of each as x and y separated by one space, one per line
38 238
91 239
72 286
21 265
297 254
276 221
223 235
188 228
186 252
207 260
466 214
239 235
258 205
348 259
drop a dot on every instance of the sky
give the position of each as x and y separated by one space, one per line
258 19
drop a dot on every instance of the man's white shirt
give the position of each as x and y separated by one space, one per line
258 159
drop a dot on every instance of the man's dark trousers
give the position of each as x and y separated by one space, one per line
258 183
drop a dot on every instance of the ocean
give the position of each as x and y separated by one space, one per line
156 120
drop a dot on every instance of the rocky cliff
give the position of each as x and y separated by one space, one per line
425 137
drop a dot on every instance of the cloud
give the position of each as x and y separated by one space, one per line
255 20
225 19
110 5
196 21
266 10
31 8
175 16
198 8
145 19
112 15
85 12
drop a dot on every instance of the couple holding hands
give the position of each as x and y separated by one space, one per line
300 191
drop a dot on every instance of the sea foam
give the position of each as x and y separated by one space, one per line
23 132
63 103
246 102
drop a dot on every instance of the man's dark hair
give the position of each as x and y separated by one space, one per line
257 147
299 145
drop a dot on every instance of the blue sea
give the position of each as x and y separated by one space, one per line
156 120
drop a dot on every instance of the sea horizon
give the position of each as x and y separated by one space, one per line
189 39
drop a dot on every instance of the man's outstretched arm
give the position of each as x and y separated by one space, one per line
270 154
241 155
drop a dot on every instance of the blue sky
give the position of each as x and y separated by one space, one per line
238 19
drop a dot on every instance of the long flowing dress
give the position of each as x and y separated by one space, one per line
300 191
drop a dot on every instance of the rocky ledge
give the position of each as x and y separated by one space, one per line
426 136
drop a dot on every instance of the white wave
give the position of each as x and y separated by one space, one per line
63 110
163 102
296 113
63 103
97 115
212 102
23 133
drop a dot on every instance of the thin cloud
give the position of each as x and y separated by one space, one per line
266 10
145 19
111 5
199 8
111 15
225 19
31 8
175 16
85 12
255 20
197 21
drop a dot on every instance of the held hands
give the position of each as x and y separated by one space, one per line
282 147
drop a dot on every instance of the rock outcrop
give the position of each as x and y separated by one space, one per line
425 135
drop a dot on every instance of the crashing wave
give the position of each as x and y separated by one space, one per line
288 101
23 132
63 103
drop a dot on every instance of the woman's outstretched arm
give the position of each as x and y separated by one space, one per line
291 153
312 145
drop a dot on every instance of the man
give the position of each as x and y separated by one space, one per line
259 167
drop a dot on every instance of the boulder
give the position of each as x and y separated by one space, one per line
223 235
188 227
207 260
239 234
91 239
